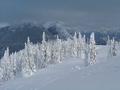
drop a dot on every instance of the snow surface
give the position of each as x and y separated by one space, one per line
72 75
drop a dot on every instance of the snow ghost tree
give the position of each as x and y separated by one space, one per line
79 45
109 46
69 44
59 50
29 66
92 49
44 51
83 47
1 73
75 43
6 66
13 59
114 49
108 41
86 52
48 52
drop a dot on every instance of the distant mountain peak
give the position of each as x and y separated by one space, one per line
54 23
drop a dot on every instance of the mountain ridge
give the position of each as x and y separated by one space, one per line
14 36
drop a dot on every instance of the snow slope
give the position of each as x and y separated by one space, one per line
72 75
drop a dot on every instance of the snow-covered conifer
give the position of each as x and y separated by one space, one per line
43 51
83 47
29 66
86 52
108 40
75 45
92 49
6 65
114 49
59 50
79 44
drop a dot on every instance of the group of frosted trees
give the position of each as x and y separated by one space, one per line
112 47
36 56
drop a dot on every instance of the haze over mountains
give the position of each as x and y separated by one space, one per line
14 36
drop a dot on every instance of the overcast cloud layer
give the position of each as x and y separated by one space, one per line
69 11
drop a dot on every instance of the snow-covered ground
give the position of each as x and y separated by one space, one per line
71 74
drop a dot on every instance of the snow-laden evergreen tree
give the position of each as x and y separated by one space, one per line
48 52
20 59
13 63
83 47
29 66
59 50
1 74
109 46
92 49
43 51
30 52
64 48
86 52
75 45
68 45
108 40
55 52
114 49
79 44
37 57
6 65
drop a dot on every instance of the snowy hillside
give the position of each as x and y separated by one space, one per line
60 64
71 74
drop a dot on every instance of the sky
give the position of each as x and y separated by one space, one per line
69 11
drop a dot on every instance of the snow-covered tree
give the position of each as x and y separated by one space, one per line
75 45
83 47
86 52
13 59
29 66
59 50
68 45
1 73
92 49
114 49
80 42
48 52
108 41
44 51
6 65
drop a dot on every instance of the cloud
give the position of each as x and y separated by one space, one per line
70 11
